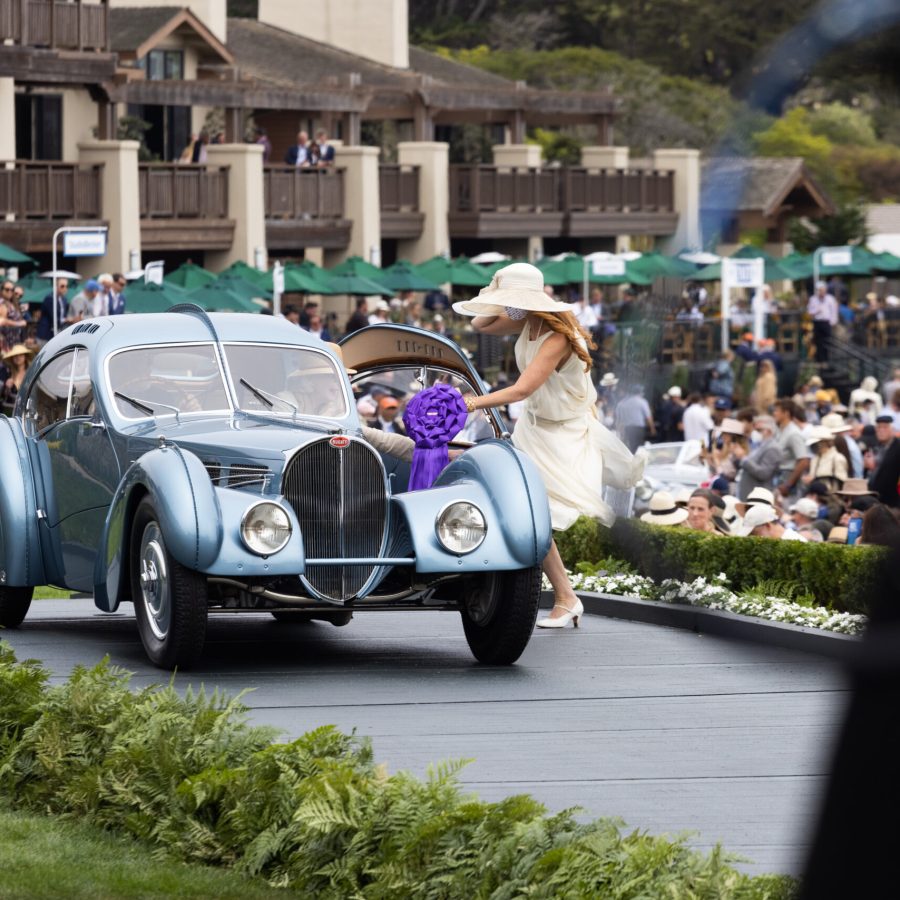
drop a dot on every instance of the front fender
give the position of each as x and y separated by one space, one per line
508 489
189 516
21 560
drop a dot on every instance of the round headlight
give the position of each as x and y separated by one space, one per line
460 527
265 528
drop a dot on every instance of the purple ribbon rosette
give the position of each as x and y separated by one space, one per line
432 419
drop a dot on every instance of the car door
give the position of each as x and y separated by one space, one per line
77 463
399 360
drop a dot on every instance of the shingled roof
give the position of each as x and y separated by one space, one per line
760 183
133 30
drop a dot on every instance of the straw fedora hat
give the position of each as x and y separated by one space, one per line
609 380
835 423
758 496
837 535
663 510
18 350
856 487
520 286
339 353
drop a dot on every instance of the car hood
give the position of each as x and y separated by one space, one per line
241 438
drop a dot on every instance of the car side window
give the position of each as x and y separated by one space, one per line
82 390
48 398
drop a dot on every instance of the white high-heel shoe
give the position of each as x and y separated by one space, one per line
571 615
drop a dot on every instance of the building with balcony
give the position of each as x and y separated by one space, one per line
76 75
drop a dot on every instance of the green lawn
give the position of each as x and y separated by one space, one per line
49 859
45 592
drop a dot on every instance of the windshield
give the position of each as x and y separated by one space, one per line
283 380
163 380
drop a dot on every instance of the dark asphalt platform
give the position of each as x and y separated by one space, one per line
668 730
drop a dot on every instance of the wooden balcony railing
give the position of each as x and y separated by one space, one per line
183 191
475 189
399 186
626 190
50 190
294 193
55 24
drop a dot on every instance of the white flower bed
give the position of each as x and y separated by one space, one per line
715 594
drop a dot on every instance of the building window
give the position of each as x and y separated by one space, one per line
38 126
163 65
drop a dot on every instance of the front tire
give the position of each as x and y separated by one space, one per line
170 600
498 614
14 603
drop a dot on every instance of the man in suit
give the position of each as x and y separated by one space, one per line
45 325
326 151
298 155
117 294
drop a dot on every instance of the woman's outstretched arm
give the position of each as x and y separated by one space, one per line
498 325
549 356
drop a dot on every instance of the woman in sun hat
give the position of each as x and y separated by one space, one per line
576 455
15 365
827 464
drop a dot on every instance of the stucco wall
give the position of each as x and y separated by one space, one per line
376 29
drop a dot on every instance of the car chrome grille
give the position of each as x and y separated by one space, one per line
237 476
340 500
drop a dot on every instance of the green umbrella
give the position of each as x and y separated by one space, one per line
356 265
240 269
403 276
862 263
11 257
885 262
553 270
356 284
214 297
190 277
305 278
240 286
151 298
460 272
656 265
798 265
747 251
575 266
436 269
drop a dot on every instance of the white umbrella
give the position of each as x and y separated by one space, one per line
488 257
700 258
60 273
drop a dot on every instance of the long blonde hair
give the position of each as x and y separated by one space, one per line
566 324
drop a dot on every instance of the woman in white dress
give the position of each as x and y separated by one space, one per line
558 429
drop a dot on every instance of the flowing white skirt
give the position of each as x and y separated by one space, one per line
577 458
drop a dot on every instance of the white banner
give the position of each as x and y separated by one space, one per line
744 273
612 266
84 243
838 257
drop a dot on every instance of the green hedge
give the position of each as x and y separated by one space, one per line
190 777
839 577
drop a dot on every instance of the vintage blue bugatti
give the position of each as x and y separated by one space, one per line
186 462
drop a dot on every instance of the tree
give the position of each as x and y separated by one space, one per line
846 226
792 135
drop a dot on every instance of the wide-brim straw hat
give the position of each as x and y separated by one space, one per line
663 510
18 350
856 487
837 535
819 433
609 380
758 496
339 353
835 423
520 286
732 426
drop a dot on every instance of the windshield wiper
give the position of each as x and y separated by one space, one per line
135 403
266 397
144 405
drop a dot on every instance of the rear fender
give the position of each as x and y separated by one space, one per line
189 516
21 559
